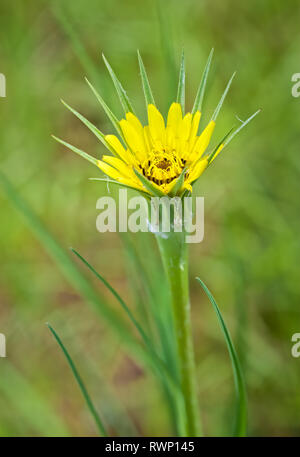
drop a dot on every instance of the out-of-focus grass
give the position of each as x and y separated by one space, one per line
251 248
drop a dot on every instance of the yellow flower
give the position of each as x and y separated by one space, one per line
160 152
161 158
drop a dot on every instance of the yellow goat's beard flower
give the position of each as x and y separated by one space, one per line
161 158
160 152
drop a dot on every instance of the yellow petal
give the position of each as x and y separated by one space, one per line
170 138
194 129
133 139
184 133
156 124
116 145
185 127
135 122
197 170
119 165
147 138
113 173
203 141
125 170
108 170
187 186
174 118
218 151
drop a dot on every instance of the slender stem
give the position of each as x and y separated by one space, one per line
174 254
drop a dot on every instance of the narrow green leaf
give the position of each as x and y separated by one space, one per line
241 413
181 84
113 119
148 185
158 364
70 271
80 383
202 86
78 151
219 106
241 127
146 86
125 102
178 183
119 299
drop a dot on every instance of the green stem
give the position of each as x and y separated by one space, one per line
174 254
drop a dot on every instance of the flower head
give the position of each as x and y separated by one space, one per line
162 157
160 151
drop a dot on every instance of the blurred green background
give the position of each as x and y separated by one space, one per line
250 254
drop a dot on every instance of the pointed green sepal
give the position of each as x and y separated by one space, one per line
219 106
78 151
178 184
112 181
113 119
146 86
202 86
241 127
124 99
86 122
148 185
181 84
213 153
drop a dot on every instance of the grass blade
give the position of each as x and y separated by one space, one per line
125 102
241 413
181 84
113 119
77 151
80 383
146 86
202 86
219 106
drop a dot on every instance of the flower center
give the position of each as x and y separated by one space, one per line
162 166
